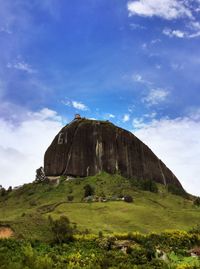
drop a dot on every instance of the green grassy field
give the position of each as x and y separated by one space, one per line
27 209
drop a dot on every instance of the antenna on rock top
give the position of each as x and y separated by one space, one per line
77 117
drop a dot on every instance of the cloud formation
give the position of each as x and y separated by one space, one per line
168 9
193 33
156 96
126 118
109 116
22 66
76 104
176 142
22 146
172 33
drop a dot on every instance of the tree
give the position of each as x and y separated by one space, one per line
40 175
62 230
148 185
197 201
9 189
3 191
89 191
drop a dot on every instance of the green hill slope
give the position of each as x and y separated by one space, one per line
26 209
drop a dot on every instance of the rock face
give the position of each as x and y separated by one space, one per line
86 147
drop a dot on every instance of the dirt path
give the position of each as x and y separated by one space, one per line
5 232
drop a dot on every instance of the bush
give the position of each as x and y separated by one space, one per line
3 192
148 185
33 203
197 201
177 190
62 230
9 189
70 198
128 199
89 191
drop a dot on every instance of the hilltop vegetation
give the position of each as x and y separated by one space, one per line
26 210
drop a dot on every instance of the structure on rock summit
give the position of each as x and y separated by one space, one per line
86 147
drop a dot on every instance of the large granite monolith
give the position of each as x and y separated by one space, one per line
86 147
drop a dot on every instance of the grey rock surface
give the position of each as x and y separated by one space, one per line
86 147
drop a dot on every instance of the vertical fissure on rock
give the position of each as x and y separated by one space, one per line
70 149
163 176
117 161
143 162
99 153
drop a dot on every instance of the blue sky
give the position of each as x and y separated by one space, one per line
134 62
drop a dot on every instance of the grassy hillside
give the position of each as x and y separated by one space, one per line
26 210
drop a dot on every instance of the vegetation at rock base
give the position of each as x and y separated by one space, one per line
28 207
89 191
197 201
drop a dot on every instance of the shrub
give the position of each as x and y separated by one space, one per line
197 201
89 191
177 190
70 198
33 203
3 192
149 185
100 234
62 230
128 198
9 189
145 184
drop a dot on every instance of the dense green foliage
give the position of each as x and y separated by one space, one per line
177 191
89 191
197 201
147 185
61 229
168 250
44 238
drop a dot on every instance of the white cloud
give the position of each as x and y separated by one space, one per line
22 145
174 33
155 41
156 96
126 118
109 115
150 115
135 26
79 105
166 9
21 66
170 10
177 143
138 78
193 32
76 105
